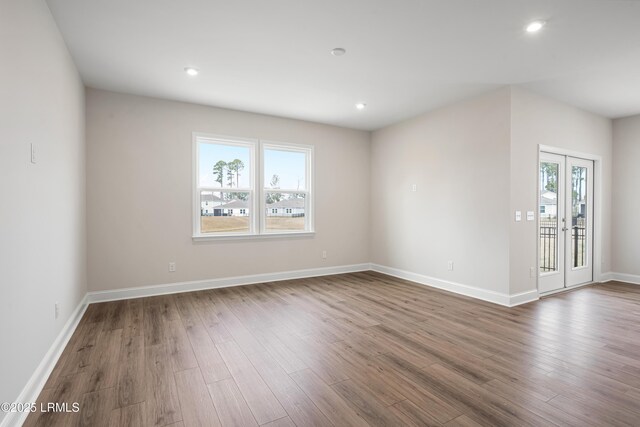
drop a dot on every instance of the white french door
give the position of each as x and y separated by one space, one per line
565 225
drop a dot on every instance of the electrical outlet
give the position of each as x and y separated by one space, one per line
450 266
172 267
57 310
324 254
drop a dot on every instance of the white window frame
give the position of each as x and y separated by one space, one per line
257 191
251 144
308 151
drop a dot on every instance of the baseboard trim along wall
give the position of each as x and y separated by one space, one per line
627 278
459 288
606 277
173 288
34 386
523 298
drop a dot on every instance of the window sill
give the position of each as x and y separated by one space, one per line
227 237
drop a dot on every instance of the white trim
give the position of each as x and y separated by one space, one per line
523 298
633 279
174 288
34 386
227 237
570 153
606 277
287 146
458 288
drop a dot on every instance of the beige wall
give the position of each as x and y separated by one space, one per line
42 220
458 157
626 202
475 164
139 194
539 120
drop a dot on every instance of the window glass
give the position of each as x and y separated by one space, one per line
285 170
224 166
224 212
285 212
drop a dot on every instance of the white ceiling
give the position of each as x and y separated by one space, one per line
404 57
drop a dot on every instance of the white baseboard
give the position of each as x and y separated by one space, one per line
34 386
633 279
523 298
173 288
606 277
458 288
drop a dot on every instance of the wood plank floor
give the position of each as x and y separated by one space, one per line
352 350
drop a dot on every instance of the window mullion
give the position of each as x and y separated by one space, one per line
257 182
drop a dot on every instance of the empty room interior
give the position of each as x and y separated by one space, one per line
320 213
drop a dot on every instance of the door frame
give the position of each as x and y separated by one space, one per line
597 213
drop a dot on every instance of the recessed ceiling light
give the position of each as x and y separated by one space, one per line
338 51
535 26
191 71
361 105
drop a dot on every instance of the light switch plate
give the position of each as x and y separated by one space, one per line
518 216
530 216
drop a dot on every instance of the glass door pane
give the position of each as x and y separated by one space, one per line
549 173
579 227
579 214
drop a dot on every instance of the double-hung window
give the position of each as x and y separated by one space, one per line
224 180
286 188
249 187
